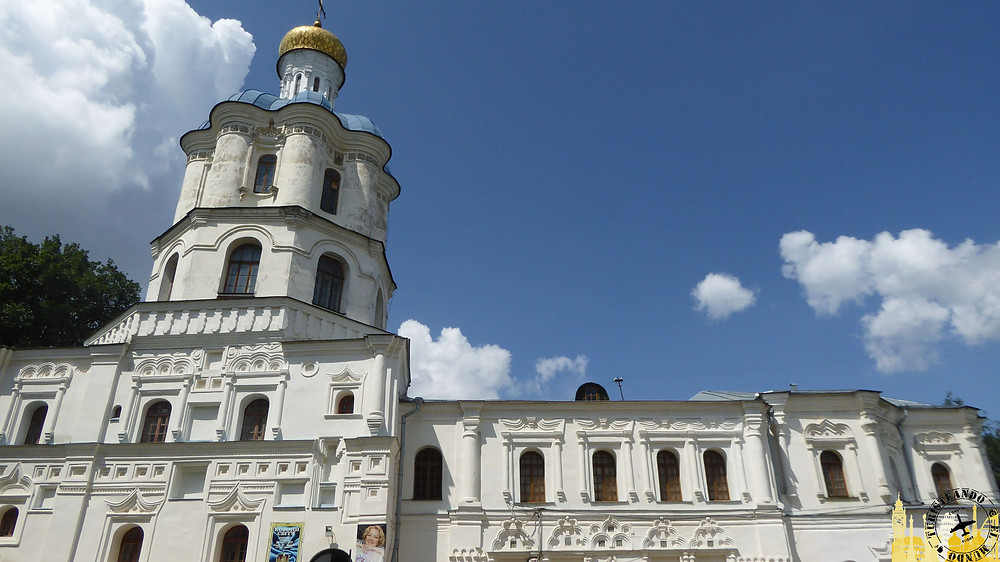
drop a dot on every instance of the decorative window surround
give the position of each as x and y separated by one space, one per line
616 436
827 435
45 382
531 433
340 384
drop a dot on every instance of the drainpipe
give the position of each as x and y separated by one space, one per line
906 456
399 478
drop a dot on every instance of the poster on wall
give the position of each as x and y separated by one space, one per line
285 541
371 543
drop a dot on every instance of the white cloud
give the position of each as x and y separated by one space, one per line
98 91
719 295
451 368
547 369
928 291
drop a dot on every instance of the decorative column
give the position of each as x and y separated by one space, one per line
130 407
279 407
220 430
375 393
50 423
696 477
629 468
870 424
508 471
755 456
177 420
736 461
470 454
557 448
584 465
5 437
784 439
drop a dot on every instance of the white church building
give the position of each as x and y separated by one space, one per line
254 407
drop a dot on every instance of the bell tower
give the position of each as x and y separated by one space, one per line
284 197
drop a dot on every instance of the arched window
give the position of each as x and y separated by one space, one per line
241 273
331 191
265 173
167 282
7 522
329 283
316 84
605 477
234 544
35 425
427 469
131 544
532 472
298 81
346 404
715 475
254 420
942 478
116 412
833 474
154 426
669 471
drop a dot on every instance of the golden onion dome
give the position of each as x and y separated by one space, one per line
316 38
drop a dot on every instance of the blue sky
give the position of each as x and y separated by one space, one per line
571 172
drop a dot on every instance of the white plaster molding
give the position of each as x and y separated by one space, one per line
513 529
45 373
470 555
259 358
15 484
166 365
134 503
566 528
663 531
710 534
236 502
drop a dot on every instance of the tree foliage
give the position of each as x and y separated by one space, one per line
51 294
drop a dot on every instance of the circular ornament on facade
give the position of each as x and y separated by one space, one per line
962 524
309 369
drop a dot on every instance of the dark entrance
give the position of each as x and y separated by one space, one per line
331 555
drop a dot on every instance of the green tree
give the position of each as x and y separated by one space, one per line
52 295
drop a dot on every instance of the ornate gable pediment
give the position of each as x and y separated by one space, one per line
566 534
347 376
46 372
531 424
235 502
663 535
604 424
166 365
134 503
260 358
14 483
608 533
710 534
828 430
513 536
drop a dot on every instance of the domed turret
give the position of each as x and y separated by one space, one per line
311 59
316 38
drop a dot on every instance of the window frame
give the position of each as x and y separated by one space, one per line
712 486
8 527
249 286
34 429
144 429
428 478
268 164
341 399
670 490
834 478
330 195
534 480
122 541
226 543
323 293
258 432
947 475
604 492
